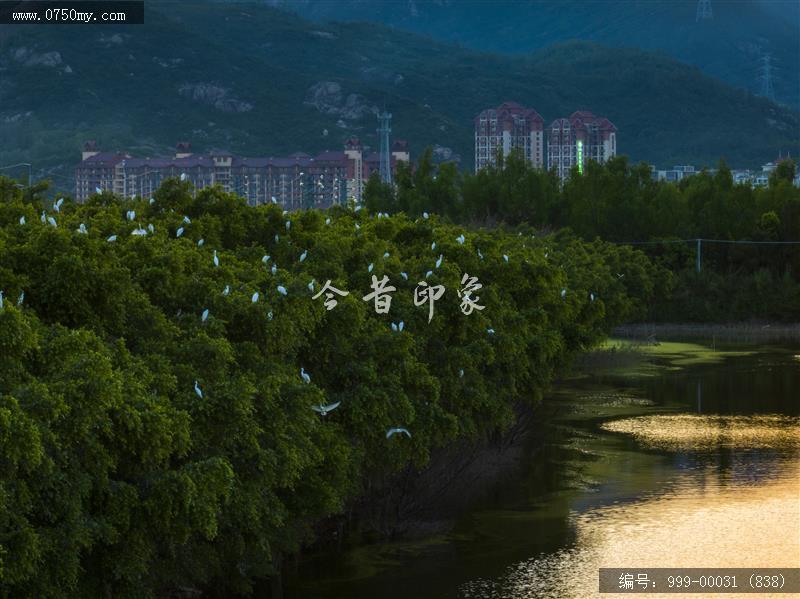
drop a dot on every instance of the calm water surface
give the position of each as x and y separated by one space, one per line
697 467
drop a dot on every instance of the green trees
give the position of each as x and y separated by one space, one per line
118 480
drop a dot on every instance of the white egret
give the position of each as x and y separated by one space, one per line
480 255
439 261
323 410
288 225
130 214
461 239
198 390
112 239
152 201
311 286
620 275
1 299
139 232
98 190
216 258
274 200
187 220
369 268
490 331
433 246
285 212
397 430
563 293
461 373
591 296
22 220
305 376
303 255
401 325
21 298
151 228
327 221
429 273
57 205
265 258
404 275
358 208
269 315
505 257
179 232
254 299
385 254
277 238
52 221
201 242
425 215
204 317
183 176
274 269
227 290
358 226
82 229
394 327
44 218
281 289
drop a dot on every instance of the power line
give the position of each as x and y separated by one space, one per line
765 76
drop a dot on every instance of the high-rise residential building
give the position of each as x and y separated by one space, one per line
507 127
297 181
575 140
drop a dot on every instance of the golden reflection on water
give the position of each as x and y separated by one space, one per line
705 519
698 432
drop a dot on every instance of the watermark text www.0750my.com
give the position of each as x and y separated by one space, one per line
36 12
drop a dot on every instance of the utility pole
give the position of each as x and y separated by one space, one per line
697 257
765 77
385 120
704 10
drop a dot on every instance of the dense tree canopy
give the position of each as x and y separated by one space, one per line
146 444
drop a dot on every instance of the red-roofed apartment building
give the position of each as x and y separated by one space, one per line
506 127
581 137
297 181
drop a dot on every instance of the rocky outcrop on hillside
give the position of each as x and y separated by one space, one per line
328 98
214 95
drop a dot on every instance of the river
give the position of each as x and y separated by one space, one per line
688 459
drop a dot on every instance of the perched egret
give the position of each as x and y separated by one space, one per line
433 246
57 205
139 232
490 331
563 293
21 298
98 190
179 232
201 242
254 299
274 200
461 373
227 290
274 269
265 258
131 214
269 315
369 268
52 221
385 254
305 376
151 228
152 201
22 220
480 255
397 430
358 208
112 238
204 317
323 410
183 176
187 220
82 229
285 212
394 327
327 221
303 255
505 257
311 286
429 273
358 226
277 238
461 239
288 225
216 258
425 215
198 390
404 275
439 261
1 299
401 325
281 289
591 296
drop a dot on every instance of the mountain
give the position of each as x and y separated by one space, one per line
730 45
260 81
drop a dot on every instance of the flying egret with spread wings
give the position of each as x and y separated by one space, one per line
396 431
324 409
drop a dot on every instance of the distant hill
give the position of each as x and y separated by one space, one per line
260 81
729 45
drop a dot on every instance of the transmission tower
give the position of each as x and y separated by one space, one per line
765 76
704 10
385 120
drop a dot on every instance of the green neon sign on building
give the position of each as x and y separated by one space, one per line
580 156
